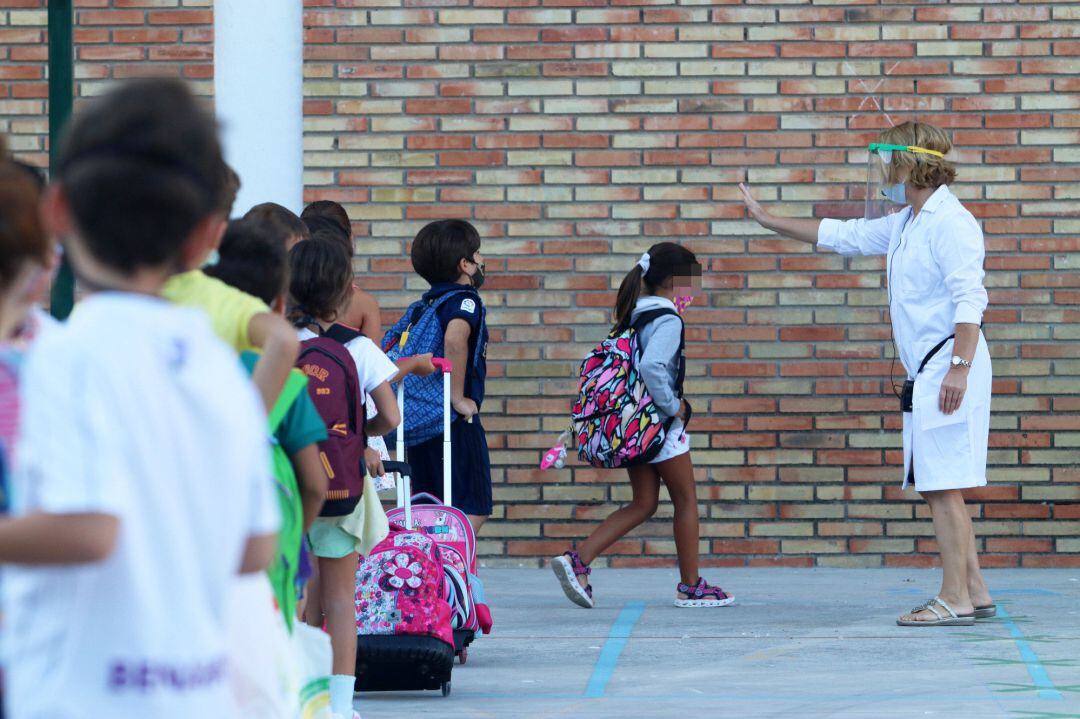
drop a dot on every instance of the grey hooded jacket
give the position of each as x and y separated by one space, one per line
660 341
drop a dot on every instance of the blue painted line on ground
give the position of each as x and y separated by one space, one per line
1038 673
1028 592
612 649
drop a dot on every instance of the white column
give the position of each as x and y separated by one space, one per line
258 90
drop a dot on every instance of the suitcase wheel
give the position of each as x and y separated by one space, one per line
446 689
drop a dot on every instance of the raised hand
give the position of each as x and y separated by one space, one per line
792 227
753 206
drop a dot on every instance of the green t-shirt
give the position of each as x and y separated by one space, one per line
294 423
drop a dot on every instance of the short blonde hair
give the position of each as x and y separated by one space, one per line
923 170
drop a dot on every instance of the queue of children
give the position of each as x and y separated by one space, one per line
210 407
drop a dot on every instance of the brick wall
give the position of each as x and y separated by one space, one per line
575 134
114 39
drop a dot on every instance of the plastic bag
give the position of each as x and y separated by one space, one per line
263 672
311 647
274 674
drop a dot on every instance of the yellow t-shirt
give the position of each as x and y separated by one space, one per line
230 310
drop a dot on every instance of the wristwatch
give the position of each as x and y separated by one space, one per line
960 362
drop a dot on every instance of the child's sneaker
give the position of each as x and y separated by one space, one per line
567 568
701 594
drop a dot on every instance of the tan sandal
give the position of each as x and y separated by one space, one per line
948 619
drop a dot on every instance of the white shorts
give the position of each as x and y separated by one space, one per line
677 443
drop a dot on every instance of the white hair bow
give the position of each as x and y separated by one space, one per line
644 262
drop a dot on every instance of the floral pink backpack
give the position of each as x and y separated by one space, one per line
400 588
615 421
456 540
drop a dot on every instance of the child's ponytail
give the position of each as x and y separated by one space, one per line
663 261
626 300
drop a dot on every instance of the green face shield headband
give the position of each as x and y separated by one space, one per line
883 195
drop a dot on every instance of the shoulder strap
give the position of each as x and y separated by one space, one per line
341 333
419 308
649 316
294 385
450 294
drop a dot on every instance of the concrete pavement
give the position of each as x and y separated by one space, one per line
797 642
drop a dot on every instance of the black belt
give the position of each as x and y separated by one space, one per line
907 398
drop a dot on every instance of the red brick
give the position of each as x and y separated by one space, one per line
110 17
745 546
181 17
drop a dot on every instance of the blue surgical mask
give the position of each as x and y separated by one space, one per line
896 193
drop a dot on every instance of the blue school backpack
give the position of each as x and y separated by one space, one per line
419 332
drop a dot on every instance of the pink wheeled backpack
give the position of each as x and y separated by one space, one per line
452 531
404 635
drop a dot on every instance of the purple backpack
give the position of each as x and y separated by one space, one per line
334 387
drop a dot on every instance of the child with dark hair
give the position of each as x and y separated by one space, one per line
145 512
320 287
24 261
319 223
330 211
447 255
242 321
282 221
665 278
253 259
36 320
329 220
25 254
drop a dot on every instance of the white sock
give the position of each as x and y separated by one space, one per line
341 694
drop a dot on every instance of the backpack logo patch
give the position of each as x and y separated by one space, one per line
314 370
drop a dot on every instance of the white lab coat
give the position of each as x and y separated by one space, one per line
935 278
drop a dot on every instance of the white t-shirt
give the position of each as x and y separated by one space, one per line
134 408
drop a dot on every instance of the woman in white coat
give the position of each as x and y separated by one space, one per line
934 249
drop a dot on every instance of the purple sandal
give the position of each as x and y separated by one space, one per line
702 594
567 567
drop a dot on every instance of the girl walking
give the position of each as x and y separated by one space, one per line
661 285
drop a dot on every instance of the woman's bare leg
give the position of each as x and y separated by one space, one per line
952 526
977 589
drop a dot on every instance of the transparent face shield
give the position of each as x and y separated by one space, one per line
880 189
885 193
